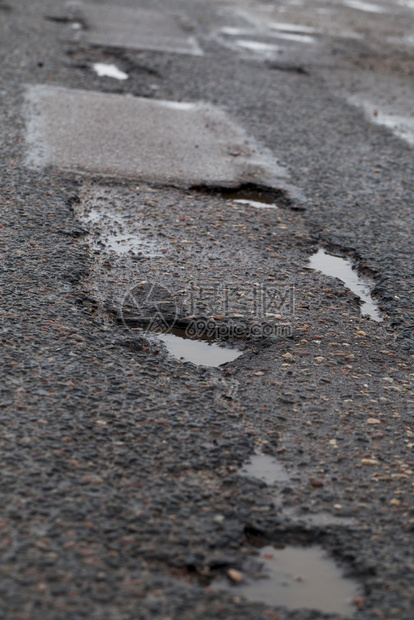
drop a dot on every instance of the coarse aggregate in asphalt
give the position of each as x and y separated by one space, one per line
122 494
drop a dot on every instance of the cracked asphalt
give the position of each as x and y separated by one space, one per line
122 495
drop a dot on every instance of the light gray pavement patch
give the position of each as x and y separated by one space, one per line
152 140
139 29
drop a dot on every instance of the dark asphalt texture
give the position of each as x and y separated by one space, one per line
115 459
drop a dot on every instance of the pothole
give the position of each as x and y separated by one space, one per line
199 352
341 268
268 469
109 70
256 196
152 310
258 199
296 578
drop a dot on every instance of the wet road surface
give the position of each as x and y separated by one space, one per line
206 396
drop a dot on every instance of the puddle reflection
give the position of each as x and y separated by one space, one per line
251 197
341 268
298 578
197 351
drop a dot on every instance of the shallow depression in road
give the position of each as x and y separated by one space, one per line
341 268
197 351
297 578
114 234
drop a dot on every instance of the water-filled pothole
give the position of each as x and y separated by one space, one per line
200 352
259 197
266 468
109 70
341 268
297 578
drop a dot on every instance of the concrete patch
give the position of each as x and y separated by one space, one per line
152 140
139 29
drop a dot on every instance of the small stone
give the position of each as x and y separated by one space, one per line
395 502
373 421
369 462
235 575
359 602
319 359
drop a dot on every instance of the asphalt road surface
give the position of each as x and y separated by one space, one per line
207 330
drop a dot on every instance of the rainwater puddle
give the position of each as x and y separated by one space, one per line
255 204
265 468
298 578
198 352
341 268
251 197
258 46
107 70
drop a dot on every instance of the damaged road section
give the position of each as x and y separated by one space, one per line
169 142
136 29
